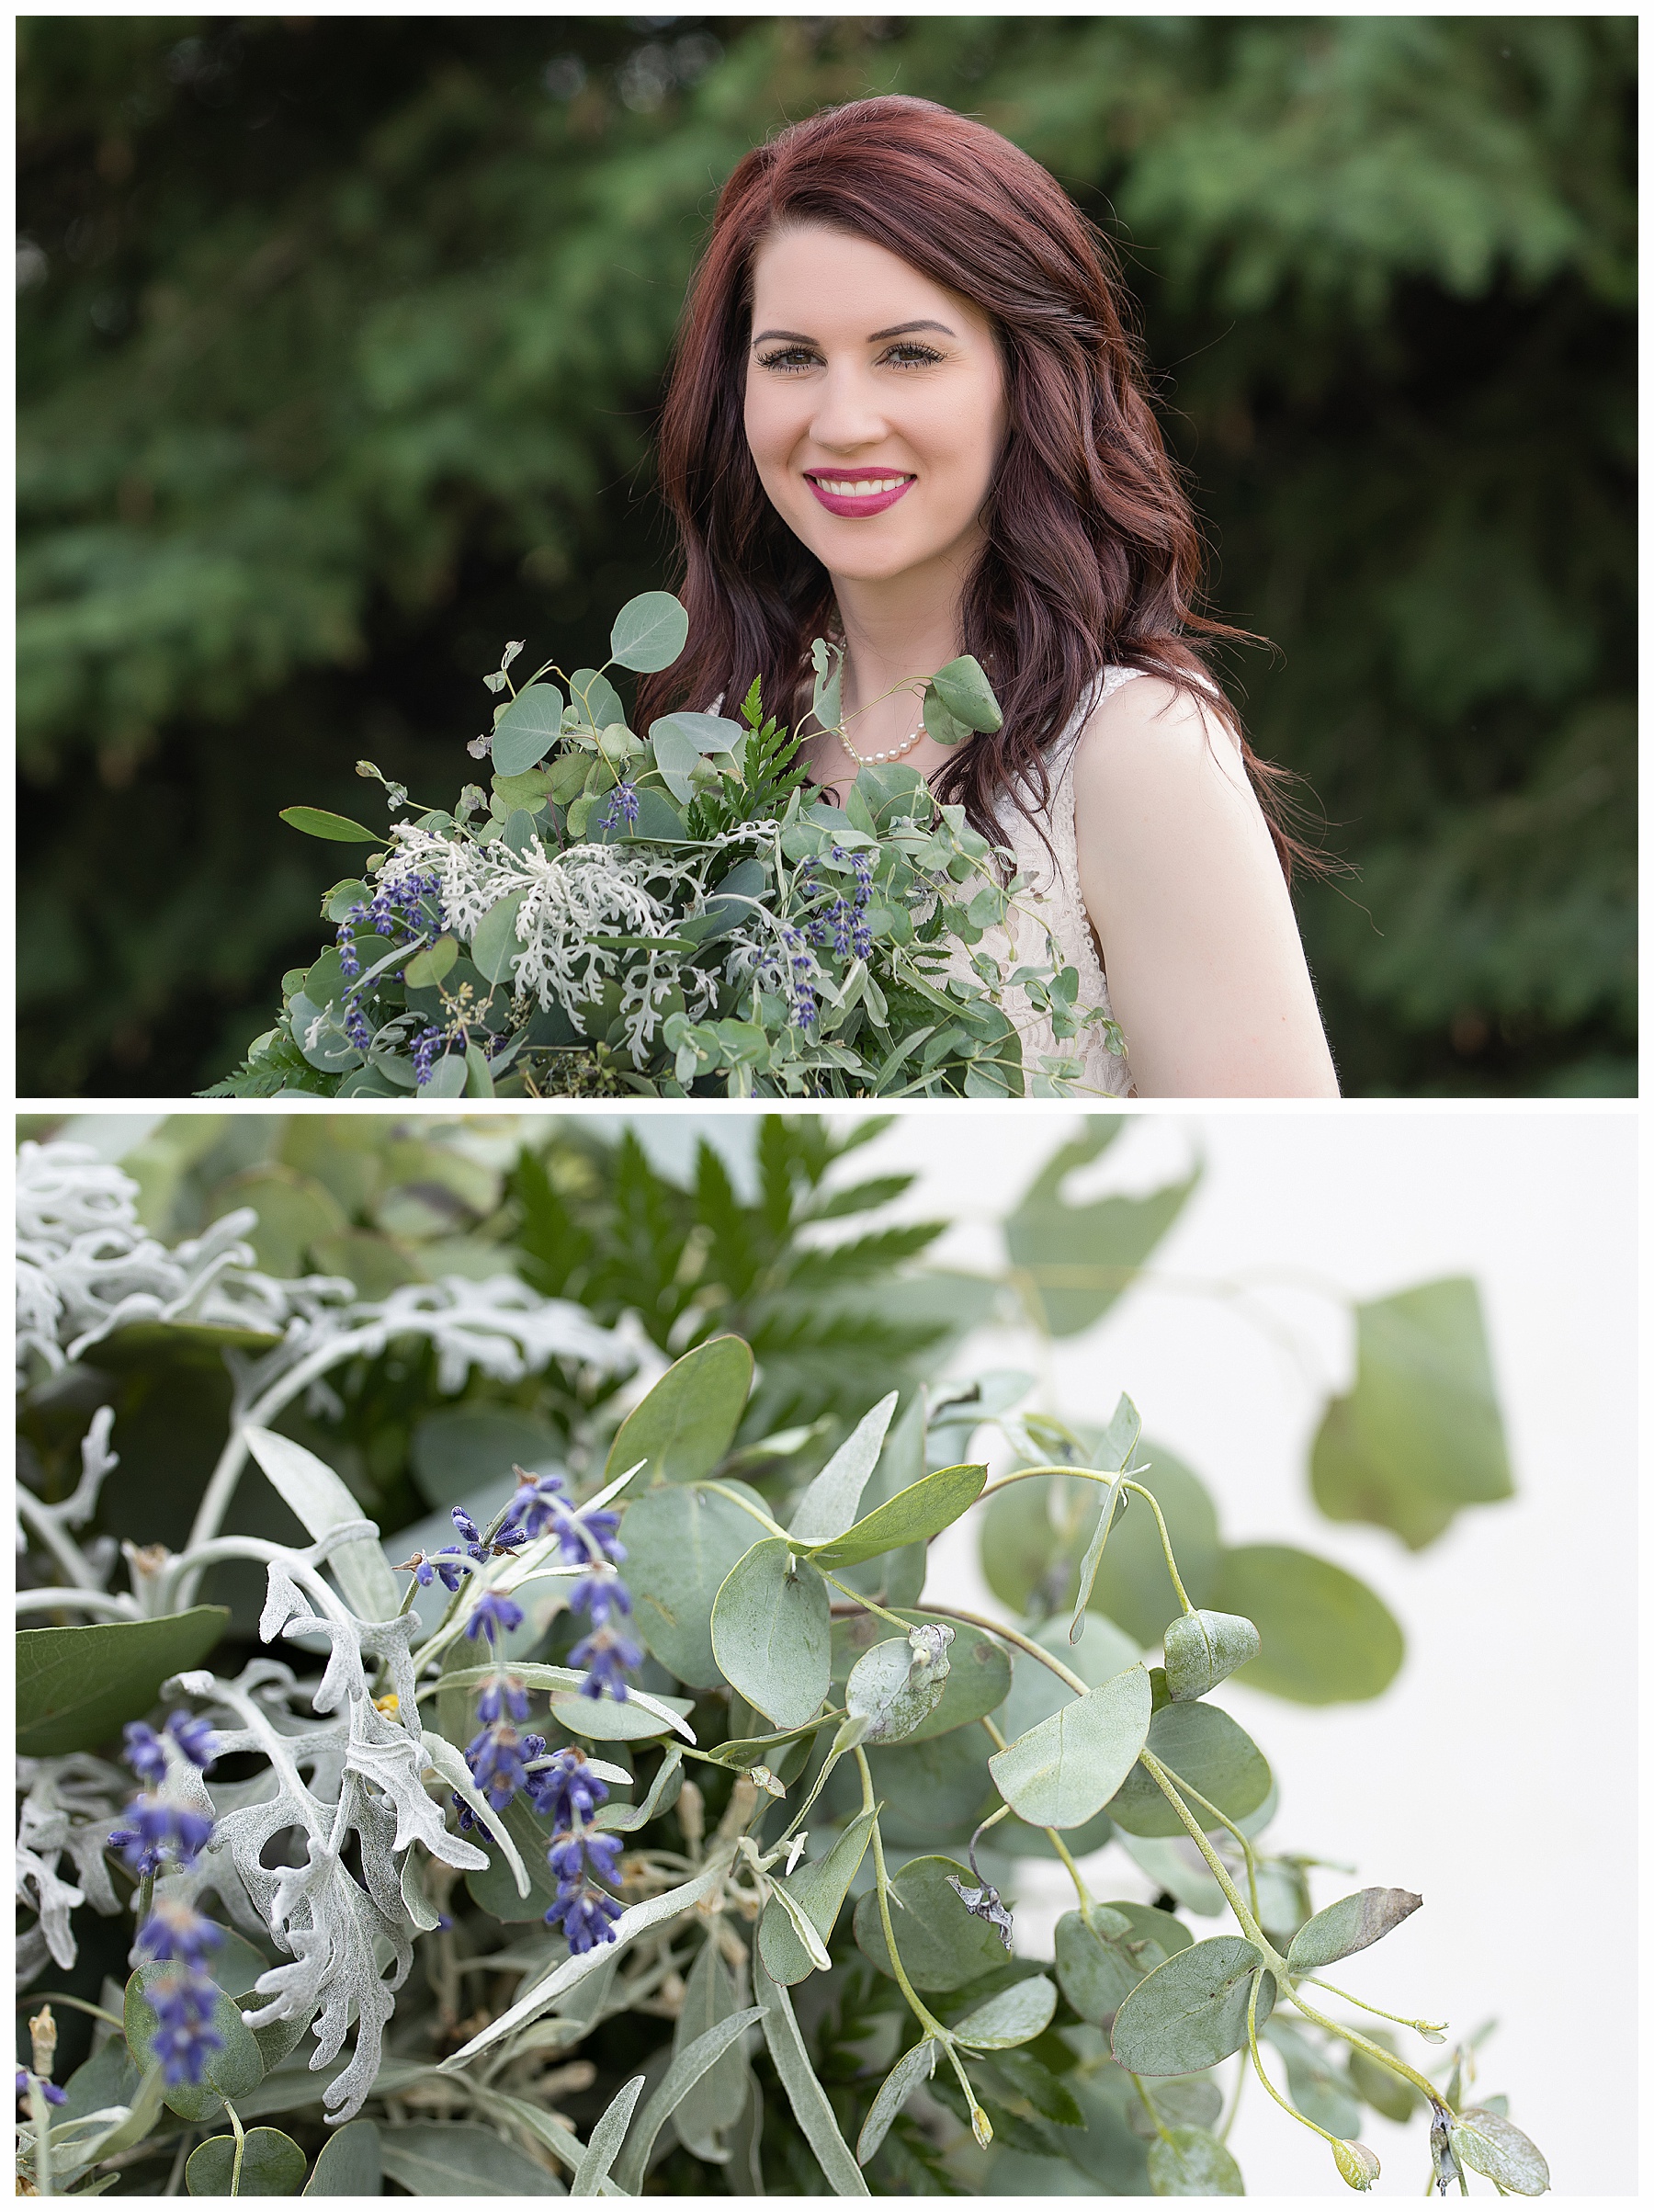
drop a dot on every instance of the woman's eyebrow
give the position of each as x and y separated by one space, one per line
797 338
900 330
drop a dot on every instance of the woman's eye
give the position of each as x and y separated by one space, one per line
911 355
790 358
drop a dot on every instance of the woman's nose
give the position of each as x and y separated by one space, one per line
847 414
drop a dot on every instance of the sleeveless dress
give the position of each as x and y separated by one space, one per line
1054 896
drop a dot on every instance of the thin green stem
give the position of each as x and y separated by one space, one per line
1240 1835
1023 1643
747 1506
146 1893
921 2011
1234 2102
1159 2126
1162 1780
1093 1474
866 1604
241 2146
1375 2051
1420 2028
1252 2037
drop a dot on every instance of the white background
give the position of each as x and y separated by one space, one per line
1498 1774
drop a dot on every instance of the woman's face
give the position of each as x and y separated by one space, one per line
874 404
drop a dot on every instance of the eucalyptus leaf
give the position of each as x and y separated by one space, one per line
1489 2145
1101 1960
76 1687
943 1947
827 1508
1326 1637
527 730
965 691
1421 1435
772 1632
348 2163
687 1422
1203 1648
1191 2013
924 1510
900 1683
979 1673
914 2067
1069 1767
1189 2161
941 726
1015 2015
494 946
818 1888
230 2072
272 2165
1051 1242
682 1541
1351 1925
1201 1745
316 821
650 632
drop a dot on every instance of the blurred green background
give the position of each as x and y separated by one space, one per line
341 340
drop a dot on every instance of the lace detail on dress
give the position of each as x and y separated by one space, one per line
1054 896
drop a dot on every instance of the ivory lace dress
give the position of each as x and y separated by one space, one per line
1054 896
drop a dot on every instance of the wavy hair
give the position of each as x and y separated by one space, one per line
1092 556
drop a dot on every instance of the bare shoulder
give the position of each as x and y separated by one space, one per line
1151 747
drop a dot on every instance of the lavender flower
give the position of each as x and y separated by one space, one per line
177 1931
50 2090
184 2006
606 1654
622 807
426 1046
194 1739
505 1694
145 1754
495 1759
567 1792
493 1615
158 1830
450 1563
584 1912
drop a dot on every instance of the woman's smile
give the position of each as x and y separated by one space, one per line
858 491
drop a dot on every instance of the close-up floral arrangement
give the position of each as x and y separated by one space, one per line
634 1809
672 914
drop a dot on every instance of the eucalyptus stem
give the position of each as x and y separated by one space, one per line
1219 1871
1240 1835
1375 2051
1094 1474
866 1604
1252 2037
1420 2028
1159 2126
241 2146
921 2011
41 2112
1023 1643
79 2004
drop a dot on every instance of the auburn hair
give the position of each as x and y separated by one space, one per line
1092 556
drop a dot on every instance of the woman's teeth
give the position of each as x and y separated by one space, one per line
862 488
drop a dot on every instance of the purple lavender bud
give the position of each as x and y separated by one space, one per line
145 1753
177 1931
50 2090
194 1738
505 1694
493 1615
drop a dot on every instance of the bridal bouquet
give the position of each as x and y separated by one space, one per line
670 914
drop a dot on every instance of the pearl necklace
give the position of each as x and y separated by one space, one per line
891 752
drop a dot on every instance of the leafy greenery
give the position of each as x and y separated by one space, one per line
773 1481
339 340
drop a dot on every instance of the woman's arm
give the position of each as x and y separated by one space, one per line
1205 972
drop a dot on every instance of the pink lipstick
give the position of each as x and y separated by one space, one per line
884 488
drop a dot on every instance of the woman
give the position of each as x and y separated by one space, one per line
905 413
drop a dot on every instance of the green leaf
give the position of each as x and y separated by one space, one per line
426 969
1015 2015
1191 2013
911 1516
1056 1246
449 2158
493 1886
712 2103
943 728
1377 2085
1321 2090
607 2138
965 691
1204 1649
316 821
898 1682
819 1889
933 1790
76 1686
459 1449
230 2072
638 1719
1201 1745
943 1947
680 1544
348 2164
1132 1586
688 1420
827 1508
685 2071
914 2067
1069 1767
1489 2145
1326 1638
650 632
1349 1925
495 946
1421 1435
527 730
272 2165
595 698
772 1633
1189 2161
661 1796
804 2093
1099 1965
323 1502
978 1674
